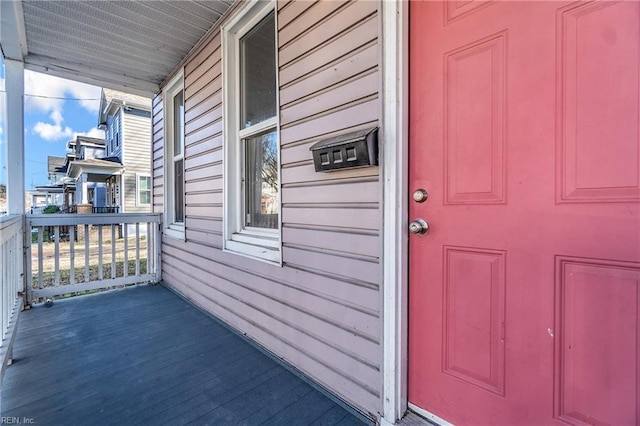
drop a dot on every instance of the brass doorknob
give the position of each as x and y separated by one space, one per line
419 227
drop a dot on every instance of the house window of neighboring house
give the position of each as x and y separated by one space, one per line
113 193
117 139
252 154
173 96
144 190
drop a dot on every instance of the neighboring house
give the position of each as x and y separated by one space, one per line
53 192
113 173
89 167
126 120
485 270
3 198
56 170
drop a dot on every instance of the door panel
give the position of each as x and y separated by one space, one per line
524 130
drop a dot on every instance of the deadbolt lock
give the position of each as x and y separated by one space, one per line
420 195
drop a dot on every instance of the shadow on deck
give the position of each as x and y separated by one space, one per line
143 355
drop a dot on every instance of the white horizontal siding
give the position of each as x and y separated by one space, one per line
157 140
136 134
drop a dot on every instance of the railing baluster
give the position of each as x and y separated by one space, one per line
100 252
86 253
72 255
4 279
149 245
125 268
137 249
157 248
28 259
56 260
40 266
113 251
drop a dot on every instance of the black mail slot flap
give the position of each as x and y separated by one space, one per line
355 149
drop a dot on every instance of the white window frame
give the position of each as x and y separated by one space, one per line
171 227
257 243
138 202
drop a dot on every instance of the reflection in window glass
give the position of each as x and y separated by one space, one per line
261 183
178 191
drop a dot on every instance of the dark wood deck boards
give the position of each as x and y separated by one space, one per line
144 356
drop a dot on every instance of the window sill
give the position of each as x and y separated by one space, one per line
174 231
262 250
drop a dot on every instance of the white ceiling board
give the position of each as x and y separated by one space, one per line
125 45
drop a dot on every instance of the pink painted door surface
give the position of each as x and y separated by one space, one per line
524 293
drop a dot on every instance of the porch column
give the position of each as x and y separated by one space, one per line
84 195
14 75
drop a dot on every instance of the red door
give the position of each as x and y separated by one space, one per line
524 293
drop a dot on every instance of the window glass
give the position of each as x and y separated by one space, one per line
178 191
258 73
261 172
178 120
144 189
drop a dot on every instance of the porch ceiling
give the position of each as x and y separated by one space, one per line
124 45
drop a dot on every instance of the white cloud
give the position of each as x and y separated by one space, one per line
48 88
57 132
56 117
49 93
53 132
93 133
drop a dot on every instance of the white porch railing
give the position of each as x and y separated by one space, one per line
11 283
72 253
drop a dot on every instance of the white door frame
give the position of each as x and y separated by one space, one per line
395 149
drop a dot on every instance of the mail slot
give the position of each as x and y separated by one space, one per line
354 149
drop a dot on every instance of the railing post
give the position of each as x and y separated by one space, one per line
27 281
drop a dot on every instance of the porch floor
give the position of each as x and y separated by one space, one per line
143 355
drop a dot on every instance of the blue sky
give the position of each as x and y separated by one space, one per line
56 110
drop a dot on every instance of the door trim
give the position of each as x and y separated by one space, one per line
395 72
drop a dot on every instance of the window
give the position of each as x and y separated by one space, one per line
144 190
252 148
174 157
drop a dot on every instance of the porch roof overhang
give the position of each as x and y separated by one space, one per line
50 189
93 167
132 46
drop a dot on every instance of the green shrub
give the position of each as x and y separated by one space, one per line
51 209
